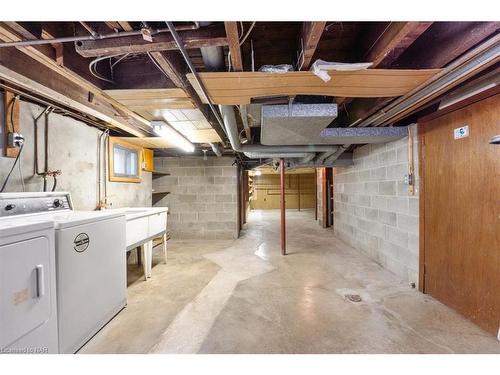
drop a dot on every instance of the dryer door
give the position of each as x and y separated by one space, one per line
24 288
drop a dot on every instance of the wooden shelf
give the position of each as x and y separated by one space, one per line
161 192
158 195
157 174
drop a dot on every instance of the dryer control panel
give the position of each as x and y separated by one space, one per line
14 204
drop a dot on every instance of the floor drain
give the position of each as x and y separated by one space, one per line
353 297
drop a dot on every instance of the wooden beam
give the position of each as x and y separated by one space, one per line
389 45
454 39
204 37
233 40
113 25
32 76
11 121
55 75
125 26
393 41
58 47
165 61
311 34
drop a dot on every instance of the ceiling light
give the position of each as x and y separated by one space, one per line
166 131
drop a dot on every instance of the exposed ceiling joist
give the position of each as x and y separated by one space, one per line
234 45
204 37
166 61
310 36
393 41
465 36
36 78
56 74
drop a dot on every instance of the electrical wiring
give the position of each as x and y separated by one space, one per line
93 66
11 169
21 174
248 33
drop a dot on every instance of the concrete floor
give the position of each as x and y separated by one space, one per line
243 297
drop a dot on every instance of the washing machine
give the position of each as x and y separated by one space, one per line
28 305
90 259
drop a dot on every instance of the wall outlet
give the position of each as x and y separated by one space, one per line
15 140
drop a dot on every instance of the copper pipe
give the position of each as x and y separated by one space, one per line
282 206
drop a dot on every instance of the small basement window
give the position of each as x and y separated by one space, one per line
124 161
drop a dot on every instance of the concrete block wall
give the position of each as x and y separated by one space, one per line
374 211
73 150
203 199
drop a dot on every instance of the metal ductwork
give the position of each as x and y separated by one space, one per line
213 58
231 127
216 149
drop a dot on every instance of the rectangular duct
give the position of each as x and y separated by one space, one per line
294 124
306 124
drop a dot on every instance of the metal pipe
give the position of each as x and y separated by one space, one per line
282 206
216 149
83 38
308 158
184 53
231 128
213 58
89 28
336 154
276 155
94 36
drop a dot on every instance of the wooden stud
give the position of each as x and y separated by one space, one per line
234 45
12 124
310 36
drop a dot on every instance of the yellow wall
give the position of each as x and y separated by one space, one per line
266 191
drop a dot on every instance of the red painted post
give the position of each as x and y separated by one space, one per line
283 207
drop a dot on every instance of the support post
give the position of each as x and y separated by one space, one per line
298 188
283 206
316 194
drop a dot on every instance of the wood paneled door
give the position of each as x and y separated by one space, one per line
460 211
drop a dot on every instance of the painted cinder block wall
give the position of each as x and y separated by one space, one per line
203 199
73 150
374 211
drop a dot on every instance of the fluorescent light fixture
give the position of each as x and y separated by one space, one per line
258 172
166 131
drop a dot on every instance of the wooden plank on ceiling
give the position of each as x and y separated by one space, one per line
240 87
233 40
149 142
310 36
147 93
203 37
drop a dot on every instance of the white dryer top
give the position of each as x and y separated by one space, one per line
12 227
69 219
